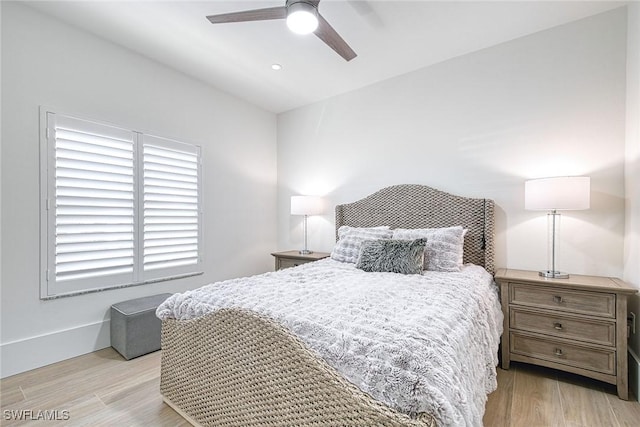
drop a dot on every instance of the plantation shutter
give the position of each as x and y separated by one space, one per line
118 207
91 205
171 207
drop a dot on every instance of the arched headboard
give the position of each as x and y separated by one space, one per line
420 206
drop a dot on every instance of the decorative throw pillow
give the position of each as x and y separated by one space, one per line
350 240
444 248
392 256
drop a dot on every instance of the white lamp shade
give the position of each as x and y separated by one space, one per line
559 193
306 205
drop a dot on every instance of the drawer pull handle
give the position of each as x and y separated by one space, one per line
557 299
558 352
557 326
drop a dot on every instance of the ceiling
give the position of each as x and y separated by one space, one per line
390 37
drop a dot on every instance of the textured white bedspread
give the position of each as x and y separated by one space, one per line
419 343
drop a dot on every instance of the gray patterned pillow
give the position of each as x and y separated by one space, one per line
346 229
444 248
392 256
350 240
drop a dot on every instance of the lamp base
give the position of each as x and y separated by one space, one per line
553 274
305 252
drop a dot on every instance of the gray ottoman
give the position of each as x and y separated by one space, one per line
135 329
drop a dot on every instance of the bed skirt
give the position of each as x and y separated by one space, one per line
234 367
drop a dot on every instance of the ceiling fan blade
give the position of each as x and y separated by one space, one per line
327 34
279 12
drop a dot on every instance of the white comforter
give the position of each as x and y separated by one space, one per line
417 343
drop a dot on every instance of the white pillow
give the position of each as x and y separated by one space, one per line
444 248
350 240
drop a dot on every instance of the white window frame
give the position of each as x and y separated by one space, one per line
49 287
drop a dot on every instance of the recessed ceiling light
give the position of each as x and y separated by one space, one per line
276 67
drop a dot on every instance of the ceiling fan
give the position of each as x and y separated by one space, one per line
302 17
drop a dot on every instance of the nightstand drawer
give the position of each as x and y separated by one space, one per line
286 263
569 301
550 323
593 359
289 259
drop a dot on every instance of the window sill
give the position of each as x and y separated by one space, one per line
128 285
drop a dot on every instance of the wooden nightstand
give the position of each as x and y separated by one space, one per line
576 325
294 258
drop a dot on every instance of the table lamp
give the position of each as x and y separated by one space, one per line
556 194
306 205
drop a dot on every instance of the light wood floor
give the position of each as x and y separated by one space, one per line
102 389
534 396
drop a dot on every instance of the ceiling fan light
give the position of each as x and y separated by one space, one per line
302 18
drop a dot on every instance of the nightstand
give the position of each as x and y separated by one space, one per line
577 325
294 258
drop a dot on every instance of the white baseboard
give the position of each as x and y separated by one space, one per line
34 352
634 374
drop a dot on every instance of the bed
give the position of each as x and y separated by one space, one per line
228 364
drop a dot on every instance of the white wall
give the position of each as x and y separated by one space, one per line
46 62
632 184
548 104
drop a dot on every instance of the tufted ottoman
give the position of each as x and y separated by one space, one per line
135 329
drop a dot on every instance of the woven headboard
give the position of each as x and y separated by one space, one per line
419 206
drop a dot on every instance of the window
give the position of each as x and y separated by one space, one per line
119 207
